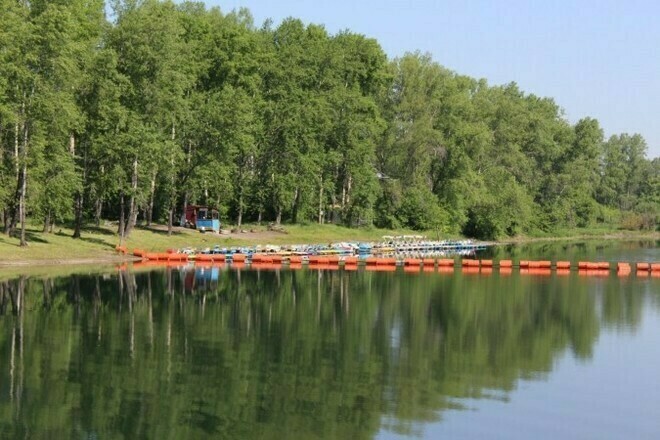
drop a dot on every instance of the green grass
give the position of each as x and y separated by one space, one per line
99 243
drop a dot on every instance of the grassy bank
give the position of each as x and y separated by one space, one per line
98 244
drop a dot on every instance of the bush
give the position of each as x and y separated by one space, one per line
420 210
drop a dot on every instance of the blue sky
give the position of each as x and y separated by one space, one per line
595 58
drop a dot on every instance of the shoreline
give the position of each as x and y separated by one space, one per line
127 258
110 259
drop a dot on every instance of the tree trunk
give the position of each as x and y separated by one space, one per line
98 210
78 215
132 207
23 192
98 204
79 197
22 204
278 219
239 220
152 192
170 220
46 222
121 219
343 196
294 208
17 167
321 202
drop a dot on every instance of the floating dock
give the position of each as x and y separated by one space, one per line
391 263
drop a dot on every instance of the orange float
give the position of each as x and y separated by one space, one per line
643 267
412 262
386 261
536 271
351 261
563 265
381 268
594 272
203 258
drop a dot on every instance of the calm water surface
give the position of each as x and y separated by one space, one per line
333 354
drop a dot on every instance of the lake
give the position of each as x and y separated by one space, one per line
223 353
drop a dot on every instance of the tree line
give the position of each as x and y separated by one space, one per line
168 104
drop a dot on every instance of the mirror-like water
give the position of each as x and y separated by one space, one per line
330 354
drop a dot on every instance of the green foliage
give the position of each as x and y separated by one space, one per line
173 104
420 210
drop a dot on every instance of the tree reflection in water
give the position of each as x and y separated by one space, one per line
254 354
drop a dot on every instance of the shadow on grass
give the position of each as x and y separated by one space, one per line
97 241
160 231
30 237
99 230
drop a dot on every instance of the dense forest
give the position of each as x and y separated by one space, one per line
134 116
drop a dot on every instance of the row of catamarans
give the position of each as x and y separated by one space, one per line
406 246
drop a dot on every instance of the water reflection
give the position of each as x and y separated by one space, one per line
276 353
575 250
